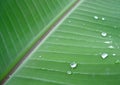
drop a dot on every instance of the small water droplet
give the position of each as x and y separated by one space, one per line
103 18
117 61
114 54
107 42
69 72
110 46
73 65
104 55
95 17
104 34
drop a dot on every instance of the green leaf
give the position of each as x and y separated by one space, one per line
81 49
22 23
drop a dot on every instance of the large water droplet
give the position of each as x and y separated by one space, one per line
69 72
117 61
73 65
104 55
95 17
104 34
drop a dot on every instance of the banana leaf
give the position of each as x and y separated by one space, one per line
61 42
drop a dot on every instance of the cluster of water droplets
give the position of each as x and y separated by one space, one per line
109 42
104 55
73 65
96 17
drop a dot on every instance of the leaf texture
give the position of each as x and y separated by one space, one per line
89 37
22 23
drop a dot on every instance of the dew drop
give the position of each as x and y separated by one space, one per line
95 17
107 42
104 34
69 72
117 61
73 65
103 18
110 46
104 55
114 54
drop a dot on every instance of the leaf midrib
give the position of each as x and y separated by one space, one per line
39 40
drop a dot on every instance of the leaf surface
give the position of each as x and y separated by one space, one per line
22 24
82 49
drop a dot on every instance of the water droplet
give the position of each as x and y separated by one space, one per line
107 42
69 72
104 34
103 18
117 61
95 17
104 55
114 54
110 46
73 65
